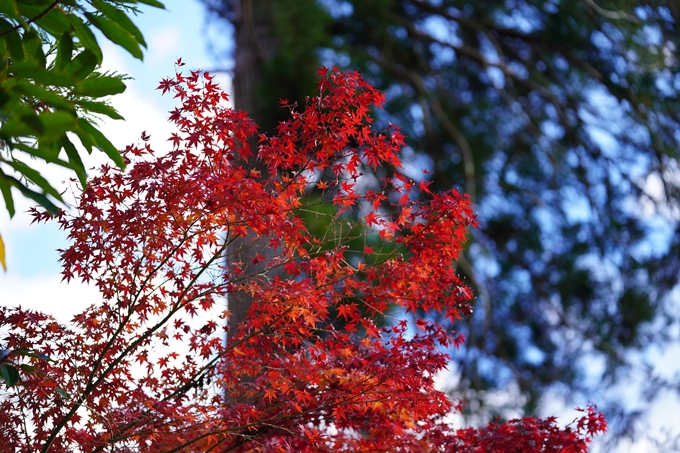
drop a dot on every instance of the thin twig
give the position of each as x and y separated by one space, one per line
32 19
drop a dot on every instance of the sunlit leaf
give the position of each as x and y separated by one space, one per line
100 107
102 142
2 254
81 66
52 98
65 51
119 17
85 36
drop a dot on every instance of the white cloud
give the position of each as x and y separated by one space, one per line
142 113
163 45
48 294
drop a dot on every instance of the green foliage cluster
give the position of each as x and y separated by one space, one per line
52 88
9 370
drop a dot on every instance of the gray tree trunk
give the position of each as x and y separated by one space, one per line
254 47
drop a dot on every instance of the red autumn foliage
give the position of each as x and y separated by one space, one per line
147 368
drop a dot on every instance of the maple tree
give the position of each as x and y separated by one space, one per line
147 369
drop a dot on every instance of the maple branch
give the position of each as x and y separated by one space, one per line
210 364
24 416
131 308
279 418
92 384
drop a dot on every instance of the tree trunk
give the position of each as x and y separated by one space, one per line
274 40
254 46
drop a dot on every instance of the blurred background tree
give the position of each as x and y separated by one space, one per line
276 58
560 119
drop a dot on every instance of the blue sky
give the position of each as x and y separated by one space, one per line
33 274
170 34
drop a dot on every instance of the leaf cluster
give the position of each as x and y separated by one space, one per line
9 368
51 88
147 368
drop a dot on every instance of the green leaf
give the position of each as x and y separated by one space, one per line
154 3
116 34
9 374
100 107
4 61
12 103
74 160
55 22
41 356
64 51
120 18
44 151
6 190
9 8
85 36
56 123
39 198
28 70
63 393
53 99
22 125
13 40
86 140
102 142
4 99
100 86
81 66
27 368
25 352
31 8
35 177
47 125
33 48
48 147
34 122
